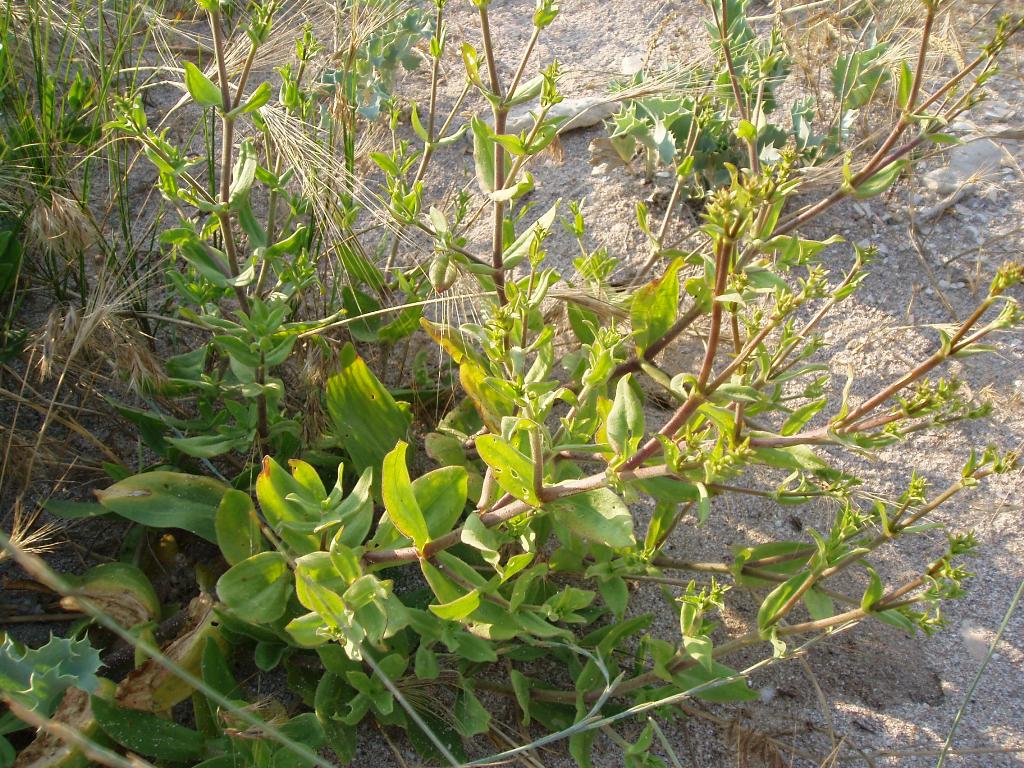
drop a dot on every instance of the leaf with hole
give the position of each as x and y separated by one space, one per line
513 471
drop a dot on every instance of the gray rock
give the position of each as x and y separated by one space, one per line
580 113
971 163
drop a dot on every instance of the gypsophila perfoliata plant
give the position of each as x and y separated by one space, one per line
417 567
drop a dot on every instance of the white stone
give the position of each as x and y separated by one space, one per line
974 162
975 640
632 64
579 113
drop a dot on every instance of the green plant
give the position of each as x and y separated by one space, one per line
409 596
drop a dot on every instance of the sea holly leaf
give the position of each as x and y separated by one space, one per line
366 420
37 678
598 516
513 470
201 88
238 530
400 500
167 500
258 588
655 306
625 427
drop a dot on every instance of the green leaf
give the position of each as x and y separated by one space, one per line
881 181
258 98
399 499
520 247
318 586
74 510
244 173
257 589
355 512
778 597
625 426
417 126
799 418
800 457
513 470
441 495
278 493
699 649
905 85
167 500
209 262
598 516
148 734
736 690
426 748
332 696
873 593
470 716
201 88
746 131
483 154
895 618
459 608
655 306
521 686
217 671
366 419
819 605
238 531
